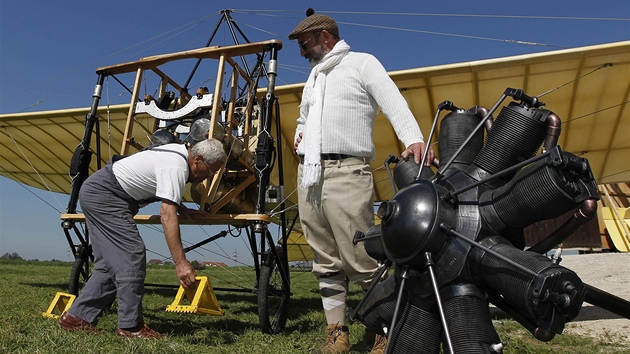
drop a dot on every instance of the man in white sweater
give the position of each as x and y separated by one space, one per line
334 139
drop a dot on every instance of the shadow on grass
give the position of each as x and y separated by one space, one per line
59 286
167 292
299 317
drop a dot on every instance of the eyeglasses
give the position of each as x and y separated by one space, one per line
303 44
210 171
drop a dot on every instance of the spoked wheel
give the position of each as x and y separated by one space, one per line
273 295
81 270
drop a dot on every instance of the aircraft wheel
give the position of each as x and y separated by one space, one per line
81 270
273 296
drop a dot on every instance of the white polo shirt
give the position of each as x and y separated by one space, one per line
160 172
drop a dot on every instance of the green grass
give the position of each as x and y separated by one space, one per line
27 289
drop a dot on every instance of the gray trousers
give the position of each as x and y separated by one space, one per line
119 252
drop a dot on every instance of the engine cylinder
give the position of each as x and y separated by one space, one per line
528 294
163 136
417 326
537 192
406 172
516 135
468 316
374 243
455 128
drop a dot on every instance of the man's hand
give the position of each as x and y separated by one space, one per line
185 273
187 214
417 149
297 142
170 224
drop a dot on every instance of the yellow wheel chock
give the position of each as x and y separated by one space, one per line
61 302
200 297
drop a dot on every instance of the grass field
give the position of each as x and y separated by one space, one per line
27 289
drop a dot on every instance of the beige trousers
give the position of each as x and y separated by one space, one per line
332 211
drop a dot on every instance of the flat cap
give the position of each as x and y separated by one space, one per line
313 23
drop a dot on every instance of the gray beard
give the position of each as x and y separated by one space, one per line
320 53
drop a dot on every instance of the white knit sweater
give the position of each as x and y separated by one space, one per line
355 89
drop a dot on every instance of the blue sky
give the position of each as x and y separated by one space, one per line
50 50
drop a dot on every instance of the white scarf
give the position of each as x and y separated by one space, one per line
311 108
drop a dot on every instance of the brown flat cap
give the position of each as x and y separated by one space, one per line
315 22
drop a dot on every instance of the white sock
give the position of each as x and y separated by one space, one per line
334 291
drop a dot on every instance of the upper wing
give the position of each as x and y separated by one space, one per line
37 147
588 89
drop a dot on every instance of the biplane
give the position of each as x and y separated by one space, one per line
56 150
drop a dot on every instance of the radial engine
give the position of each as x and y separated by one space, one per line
455 237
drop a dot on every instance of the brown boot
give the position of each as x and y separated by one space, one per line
380 342
338 340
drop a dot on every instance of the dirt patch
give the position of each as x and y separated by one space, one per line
609 272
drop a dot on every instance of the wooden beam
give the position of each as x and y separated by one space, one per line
202 53
210 219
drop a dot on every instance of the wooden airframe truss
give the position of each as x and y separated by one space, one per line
240 123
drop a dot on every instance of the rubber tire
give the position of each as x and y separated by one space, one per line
273 296
78 276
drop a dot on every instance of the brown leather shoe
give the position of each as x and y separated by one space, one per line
337 340
380 342
143 332
71 323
